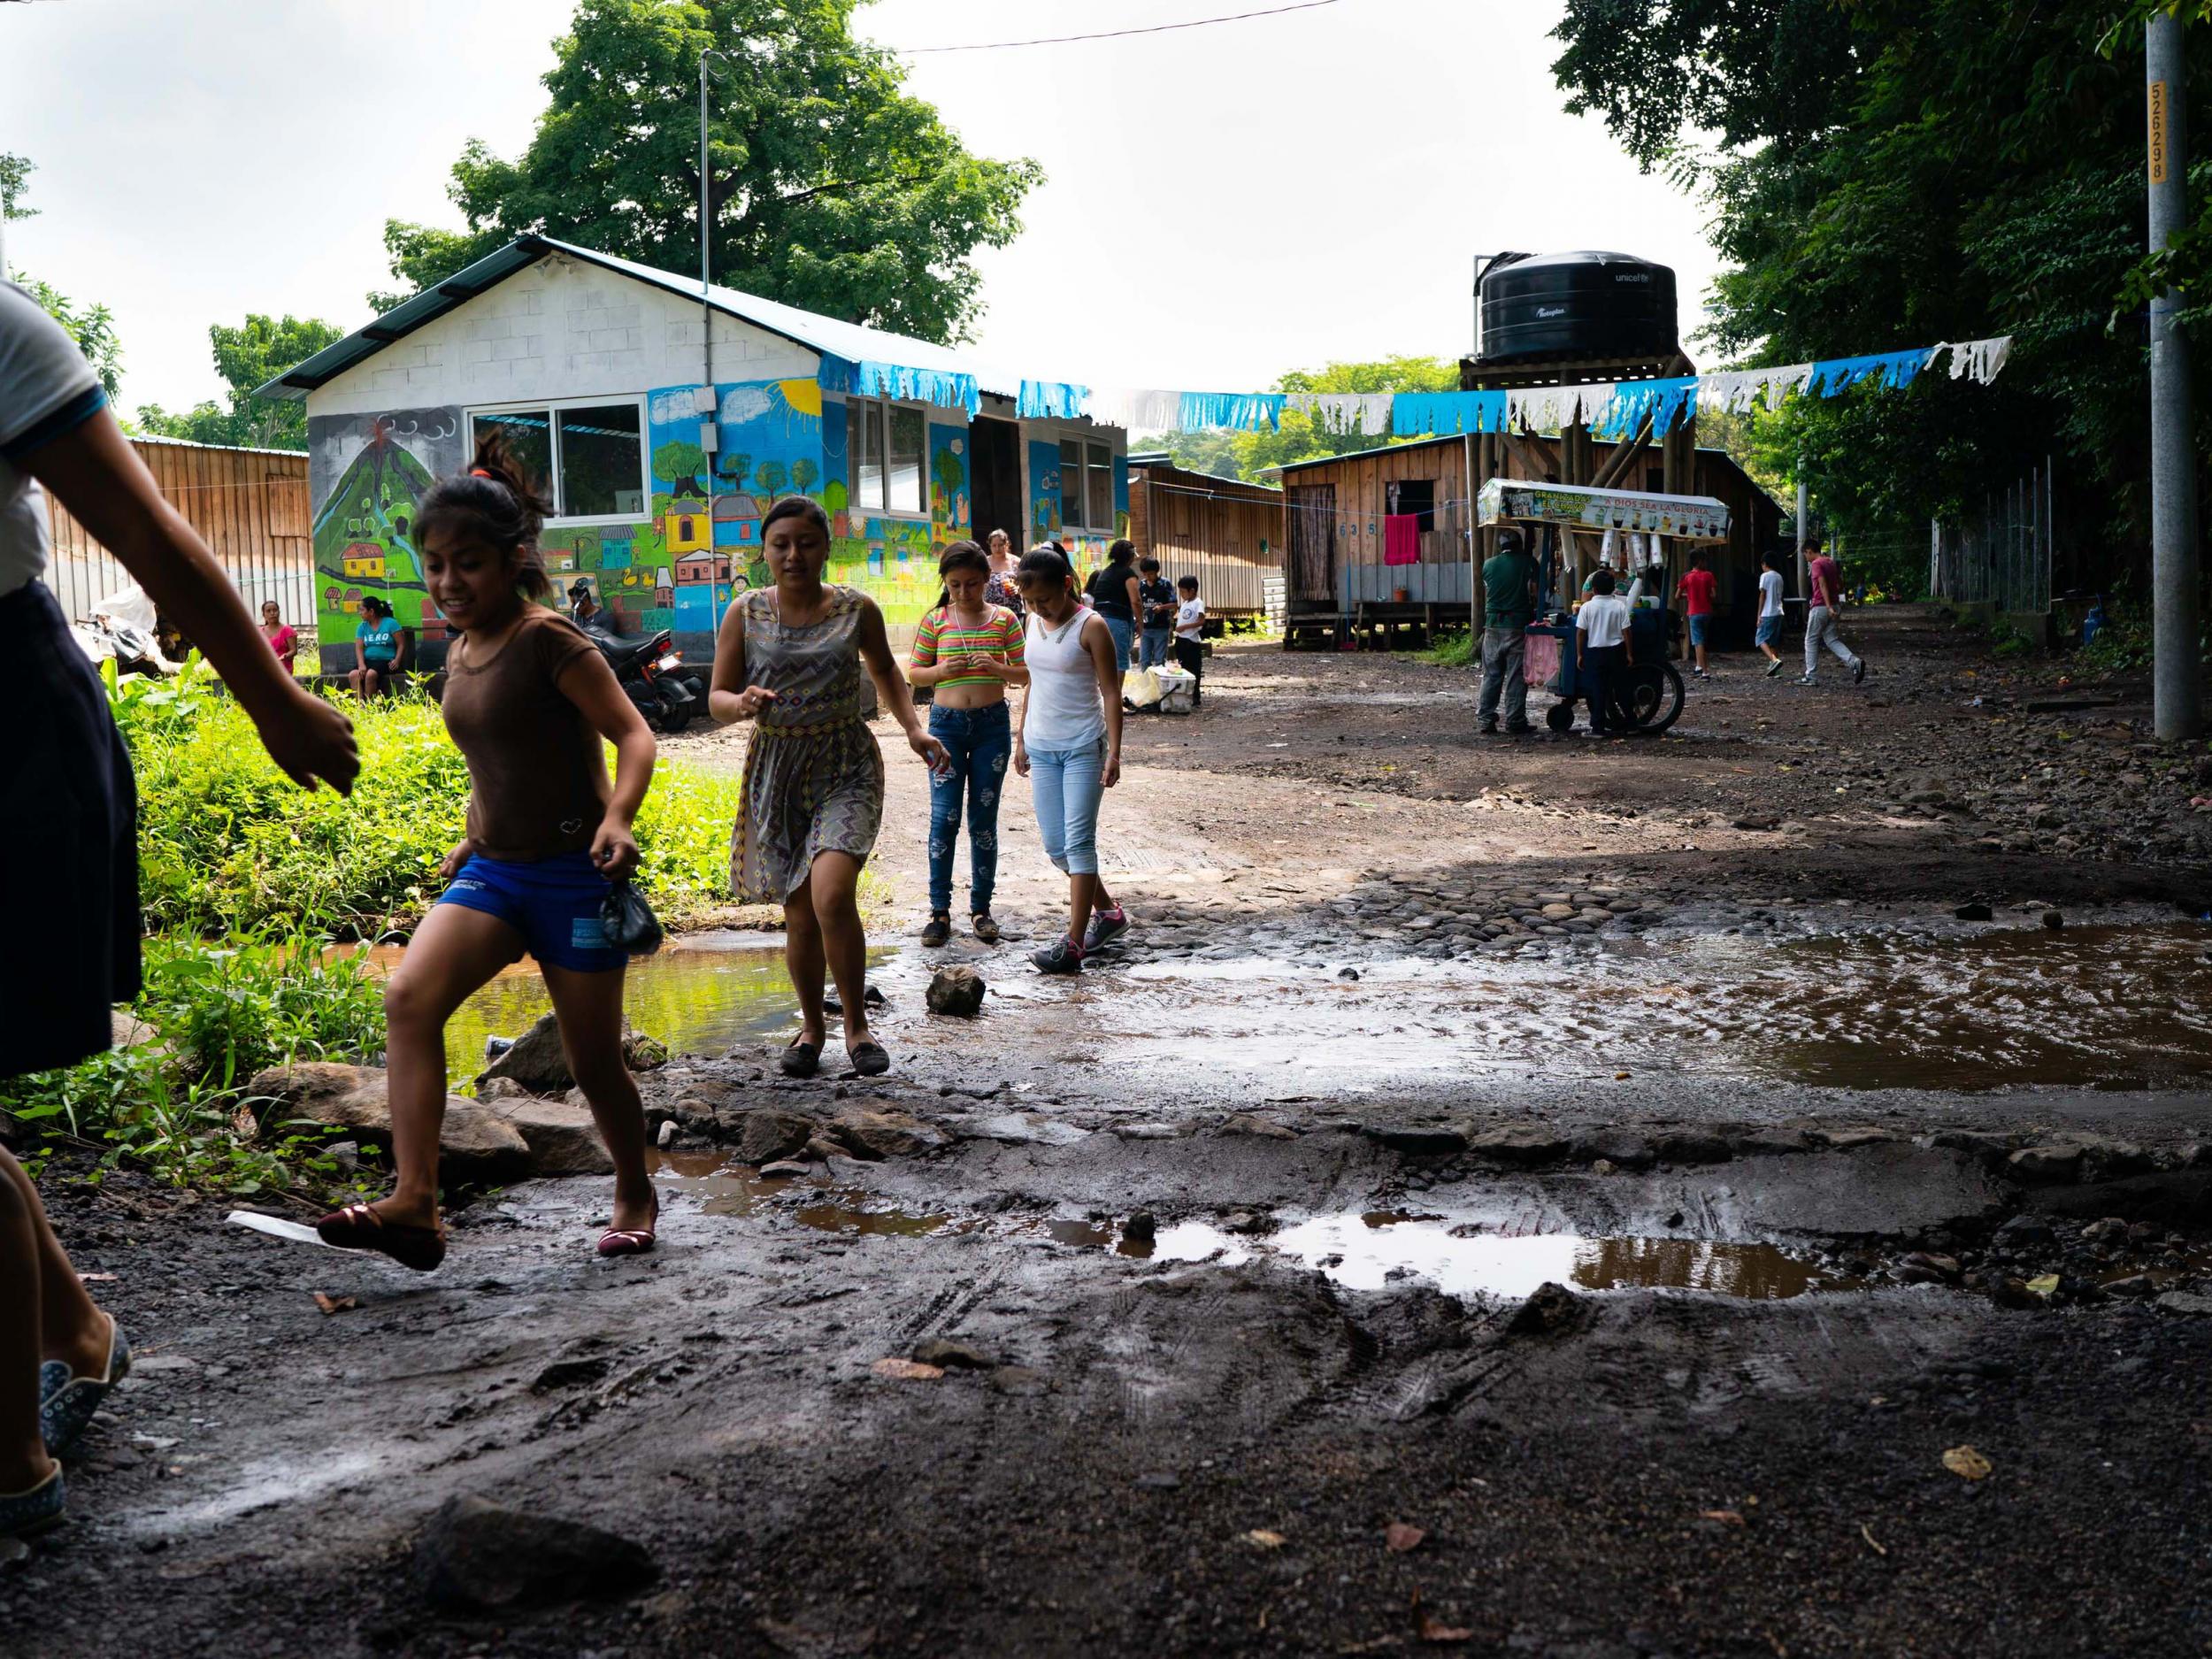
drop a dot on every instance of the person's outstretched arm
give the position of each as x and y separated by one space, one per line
100 479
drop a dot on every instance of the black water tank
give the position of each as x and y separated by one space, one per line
1575 305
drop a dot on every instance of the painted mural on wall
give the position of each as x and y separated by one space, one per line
893 560
367 473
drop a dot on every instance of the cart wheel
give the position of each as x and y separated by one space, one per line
1655 698
1560 717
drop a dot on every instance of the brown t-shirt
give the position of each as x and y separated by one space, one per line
537 771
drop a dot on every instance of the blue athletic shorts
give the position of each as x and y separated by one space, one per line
553 903
1697 629
1769 630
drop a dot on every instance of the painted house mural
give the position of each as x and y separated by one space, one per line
661 487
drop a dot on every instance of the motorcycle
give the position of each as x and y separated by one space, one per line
651 673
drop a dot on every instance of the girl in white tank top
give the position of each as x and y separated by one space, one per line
1068 744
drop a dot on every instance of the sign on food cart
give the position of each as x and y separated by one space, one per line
1693 518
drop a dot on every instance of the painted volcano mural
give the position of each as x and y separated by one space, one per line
368 471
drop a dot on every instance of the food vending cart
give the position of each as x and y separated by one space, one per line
1646 537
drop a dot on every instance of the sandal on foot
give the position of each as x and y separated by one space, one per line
27 1514
800 1059
869 1059
986 929
358 1227
63 1413
631 1241
937 929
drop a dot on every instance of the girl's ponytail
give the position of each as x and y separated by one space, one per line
492 502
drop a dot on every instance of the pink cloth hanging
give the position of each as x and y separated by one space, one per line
1402 538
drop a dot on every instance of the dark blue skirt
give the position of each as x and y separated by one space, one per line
68 845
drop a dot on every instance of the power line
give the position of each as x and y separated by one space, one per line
1112 34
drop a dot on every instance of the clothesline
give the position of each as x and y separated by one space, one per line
1609 408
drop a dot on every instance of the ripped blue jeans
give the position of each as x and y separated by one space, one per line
980 741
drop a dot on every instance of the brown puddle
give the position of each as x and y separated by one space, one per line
1367 1251
699 994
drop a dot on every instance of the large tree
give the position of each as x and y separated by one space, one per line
831 188
250 355
1894 172
91 325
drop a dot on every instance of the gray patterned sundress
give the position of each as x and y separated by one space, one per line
813 774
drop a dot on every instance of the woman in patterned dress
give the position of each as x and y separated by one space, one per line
790 659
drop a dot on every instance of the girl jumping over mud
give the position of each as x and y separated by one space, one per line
790 659
971 650
1068 745
528 700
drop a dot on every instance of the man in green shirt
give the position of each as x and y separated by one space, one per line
1508 590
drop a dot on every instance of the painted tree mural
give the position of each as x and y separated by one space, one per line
803 475
677 461
771 476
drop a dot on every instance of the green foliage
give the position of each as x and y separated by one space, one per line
771 476
803 473
226 842
679 460
1302 436
250 355
831 188
178 1103
1454 650
91 326
1885 174
15 172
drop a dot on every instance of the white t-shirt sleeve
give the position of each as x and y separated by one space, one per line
46 389
1190 616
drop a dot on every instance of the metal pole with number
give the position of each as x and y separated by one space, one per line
2176 710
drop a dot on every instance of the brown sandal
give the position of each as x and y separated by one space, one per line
358 1227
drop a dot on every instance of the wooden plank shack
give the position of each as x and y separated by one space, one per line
1227 533
1340 590
250 506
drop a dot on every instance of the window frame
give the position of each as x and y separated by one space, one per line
1085 439
879 410
550 407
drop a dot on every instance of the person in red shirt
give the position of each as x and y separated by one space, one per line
1697 589
1826 577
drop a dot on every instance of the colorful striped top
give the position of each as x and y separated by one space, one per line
940 634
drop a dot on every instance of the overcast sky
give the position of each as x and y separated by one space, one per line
1222 204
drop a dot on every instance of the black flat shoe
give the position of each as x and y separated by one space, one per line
937 929
869 1059
801 1059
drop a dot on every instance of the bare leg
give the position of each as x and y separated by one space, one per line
834 886
71 1328
454 951
802 961
353 680
589 1009
23 1460
1085 894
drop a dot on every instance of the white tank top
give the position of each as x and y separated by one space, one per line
1064 711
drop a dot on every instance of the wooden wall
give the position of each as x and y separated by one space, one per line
1360 483
1227 534
250 506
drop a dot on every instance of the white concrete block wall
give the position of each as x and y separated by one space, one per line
560 329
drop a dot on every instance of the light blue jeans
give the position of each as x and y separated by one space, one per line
1065 784
1124 633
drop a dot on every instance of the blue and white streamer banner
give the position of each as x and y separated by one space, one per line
1446 414
1052 400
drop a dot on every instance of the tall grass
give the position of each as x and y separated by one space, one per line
227 842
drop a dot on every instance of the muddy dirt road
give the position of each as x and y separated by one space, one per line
1213 1283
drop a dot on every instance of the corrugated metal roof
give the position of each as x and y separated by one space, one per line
227 449
853 342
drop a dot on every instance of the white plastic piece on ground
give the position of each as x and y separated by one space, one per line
275 1226
1177 689
1141 688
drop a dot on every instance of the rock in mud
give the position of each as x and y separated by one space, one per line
869 1133
562 1137
476 1556
1622 1150
1550 1308
1420 1140
1140 1228
2055 1163
2188 1302
2023 1230
1924 1267
1976 912
766 1134
473 1146
1252 1124
957 991
535 1061
1520 1145
1693 1146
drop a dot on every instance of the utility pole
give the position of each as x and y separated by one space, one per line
709 433
1804 532
2176 710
